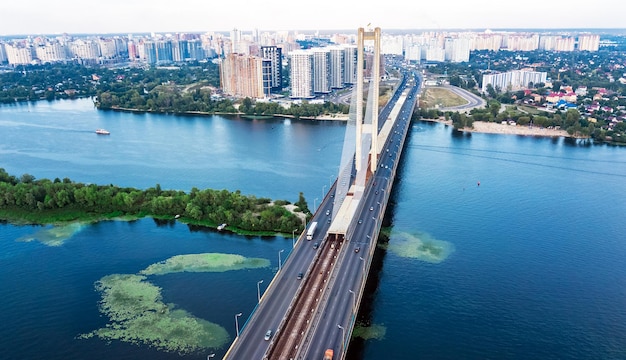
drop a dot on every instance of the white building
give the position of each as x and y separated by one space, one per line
457 50
336 66
321 70
108 48
349 63
588 42
19 55
3 54
435 54
392 45
85 49
51 52
520 42
513 80
301 74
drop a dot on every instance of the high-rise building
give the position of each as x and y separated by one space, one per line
164 51
337 67
457 49
150 52
588 42
3 54
180 50
321 70
513 80
548 42
275 55
521 42
195 50
108 48
350 60
245 76
413 53
19 55
392 45
133 53
301 64
235 41
565 43
51 52
85 49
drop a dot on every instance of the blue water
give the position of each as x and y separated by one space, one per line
536 273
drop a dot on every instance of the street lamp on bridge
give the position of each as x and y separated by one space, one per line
343 337
237 323
353 299
279 262
258 289
360 257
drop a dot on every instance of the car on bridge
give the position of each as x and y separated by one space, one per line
316 245
268 335
300 276
357 249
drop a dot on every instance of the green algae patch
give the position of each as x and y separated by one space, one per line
207 262
54 236
138 315
372 332
420 246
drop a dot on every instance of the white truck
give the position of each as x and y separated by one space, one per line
311 231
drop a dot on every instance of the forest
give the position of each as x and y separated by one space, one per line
26 200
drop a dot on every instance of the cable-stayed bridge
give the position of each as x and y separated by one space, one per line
311 304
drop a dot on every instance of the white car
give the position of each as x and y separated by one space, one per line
268 334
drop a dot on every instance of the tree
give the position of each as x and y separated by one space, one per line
27 178
491 91
494 108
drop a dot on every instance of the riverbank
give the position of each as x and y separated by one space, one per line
62 218
496 128
335 117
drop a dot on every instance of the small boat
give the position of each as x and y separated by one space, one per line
221 227
102 132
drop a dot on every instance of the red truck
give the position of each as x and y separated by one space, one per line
328 355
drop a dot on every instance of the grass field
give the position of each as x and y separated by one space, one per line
439 96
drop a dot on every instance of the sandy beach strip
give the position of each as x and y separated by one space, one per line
495 128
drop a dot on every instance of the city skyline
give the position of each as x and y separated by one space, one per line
73 16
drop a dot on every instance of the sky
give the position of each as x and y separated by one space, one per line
160 16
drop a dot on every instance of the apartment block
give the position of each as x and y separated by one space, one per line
275 56
301 63
513 80
245 76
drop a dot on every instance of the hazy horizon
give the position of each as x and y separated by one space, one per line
193 16
611 31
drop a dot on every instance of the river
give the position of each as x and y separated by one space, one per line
525 235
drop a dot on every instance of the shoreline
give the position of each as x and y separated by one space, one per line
338 117
500 129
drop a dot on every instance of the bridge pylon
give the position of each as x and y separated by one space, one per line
367 124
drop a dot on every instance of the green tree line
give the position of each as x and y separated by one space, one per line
27 200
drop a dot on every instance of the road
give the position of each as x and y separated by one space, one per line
337 317
473 100
277 299
279 294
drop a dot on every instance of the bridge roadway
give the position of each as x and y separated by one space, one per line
282 298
